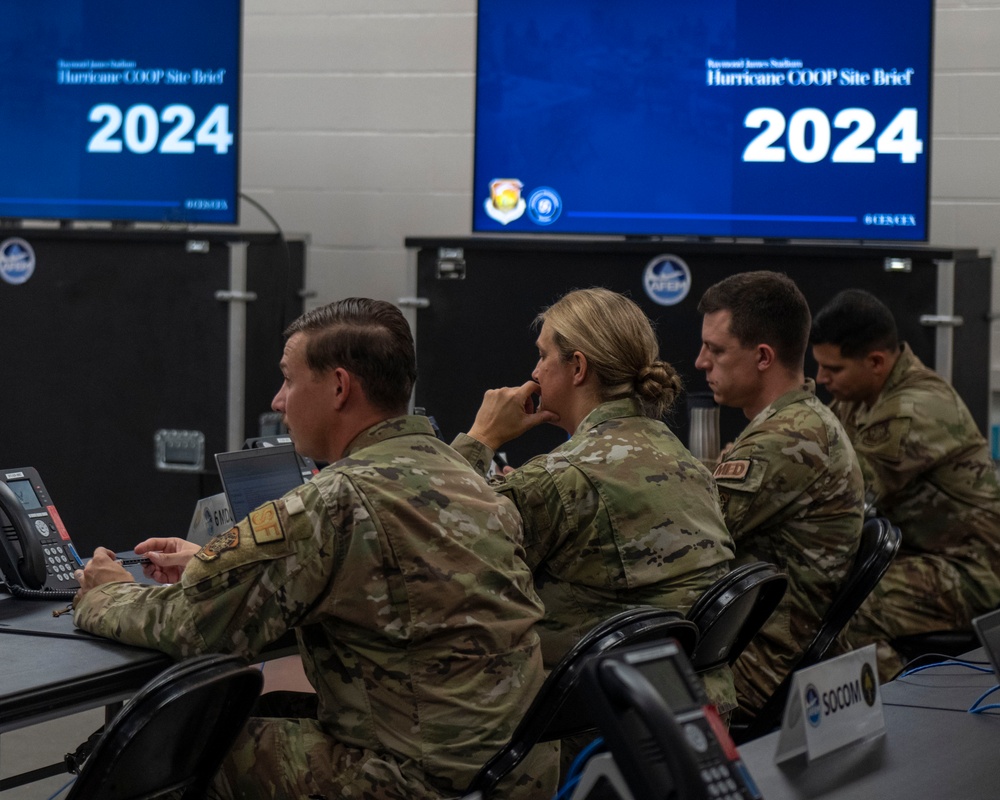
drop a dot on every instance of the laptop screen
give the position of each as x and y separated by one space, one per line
253 477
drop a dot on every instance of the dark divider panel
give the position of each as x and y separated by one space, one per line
476 333
117 335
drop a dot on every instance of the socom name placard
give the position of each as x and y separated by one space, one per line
832 704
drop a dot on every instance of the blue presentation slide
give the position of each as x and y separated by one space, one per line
729 119
120 110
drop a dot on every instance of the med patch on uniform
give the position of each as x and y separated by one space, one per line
736 470
265 524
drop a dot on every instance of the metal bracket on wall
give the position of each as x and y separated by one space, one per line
941 320
413 302
451 264
228 296
944 321
179 450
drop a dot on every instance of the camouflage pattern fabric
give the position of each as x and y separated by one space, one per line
792 494
620 515
928 469
403 575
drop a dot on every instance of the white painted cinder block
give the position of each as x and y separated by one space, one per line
361 43
966 169
962 105
966 38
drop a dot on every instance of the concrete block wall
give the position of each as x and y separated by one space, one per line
965 159
358 119
357 129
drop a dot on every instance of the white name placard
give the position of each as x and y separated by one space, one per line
211 516
832 704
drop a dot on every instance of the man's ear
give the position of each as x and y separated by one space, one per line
340 386
766 357
878 363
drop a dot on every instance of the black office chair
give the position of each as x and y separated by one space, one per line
172 735
879 544
559 710
951 643
732 610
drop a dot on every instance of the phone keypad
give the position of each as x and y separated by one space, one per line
60 563
720 783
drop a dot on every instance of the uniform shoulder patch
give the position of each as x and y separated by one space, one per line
265 524
885 439
228 540
735 470
876 434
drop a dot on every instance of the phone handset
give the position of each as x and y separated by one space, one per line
22 558
627 689
26 568
664 738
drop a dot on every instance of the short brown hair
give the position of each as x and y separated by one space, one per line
766 308
371 339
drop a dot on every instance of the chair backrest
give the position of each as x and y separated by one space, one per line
559 710
172 735
879 543
731 611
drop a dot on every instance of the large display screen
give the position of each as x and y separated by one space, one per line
120 110
720 119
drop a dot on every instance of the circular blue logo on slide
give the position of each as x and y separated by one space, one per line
667 280
17 261
544 205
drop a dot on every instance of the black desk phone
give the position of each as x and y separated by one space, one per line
666 739
37 557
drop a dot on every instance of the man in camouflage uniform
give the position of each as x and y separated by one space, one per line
400 570
927 469
790 484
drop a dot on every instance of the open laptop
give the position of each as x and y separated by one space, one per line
987 628
252 477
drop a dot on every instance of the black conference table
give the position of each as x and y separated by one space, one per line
51 669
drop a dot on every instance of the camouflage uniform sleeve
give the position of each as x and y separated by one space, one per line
241 591
760 486
901 443
739 478
535 493
548 520
474 451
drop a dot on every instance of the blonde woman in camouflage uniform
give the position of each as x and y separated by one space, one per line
927 468
791 488
621 514
398 567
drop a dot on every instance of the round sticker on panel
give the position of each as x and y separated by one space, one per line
667 280
17 261
813 713
869 687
